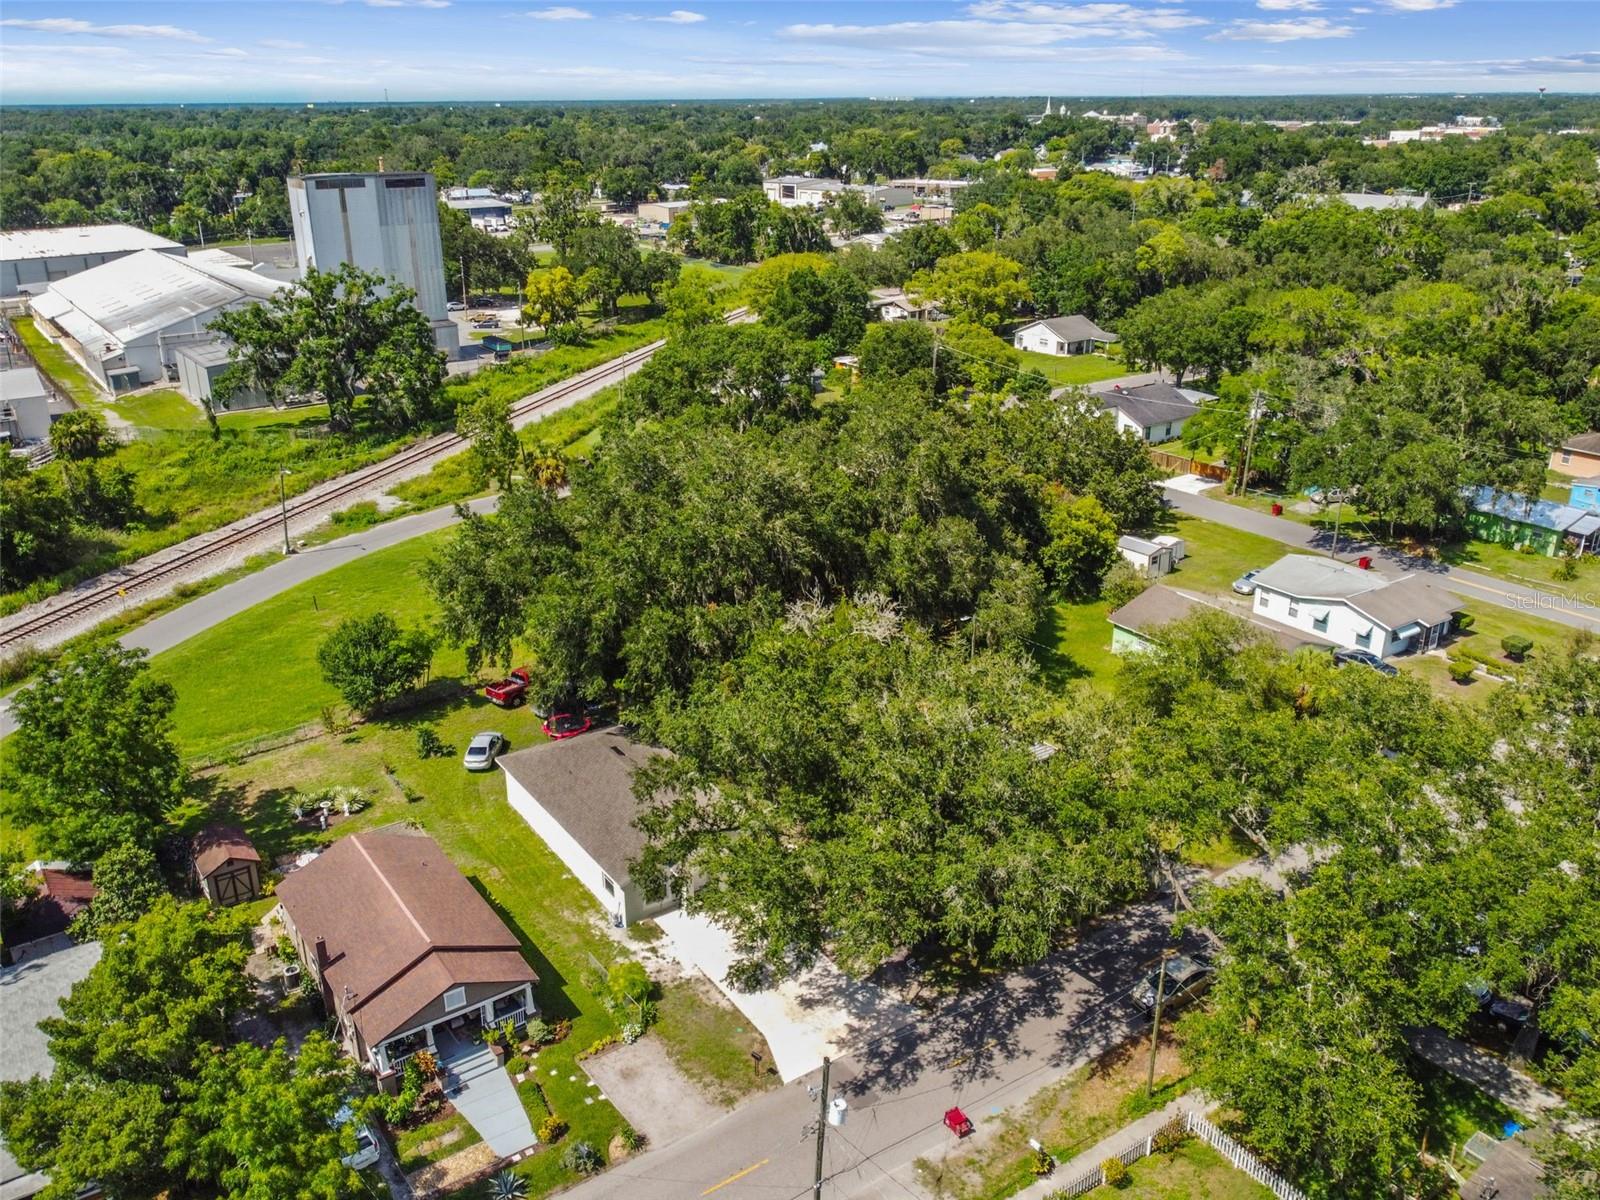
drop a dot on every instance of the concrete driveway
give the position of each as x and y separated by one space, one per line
815 1013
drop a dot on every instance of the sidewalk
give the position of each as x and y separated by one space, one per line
1112 1145
1485 1072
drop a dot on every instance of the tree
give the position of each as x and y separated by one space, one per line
373 662
828 307
35 524
692 300
851 214
92 760
497 452
979 284
261 1122
1082 545
80 434
127 884
329 334
553 298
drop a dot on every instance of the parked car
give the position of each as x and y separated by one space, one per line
482 750
486 323
510 691
565 725
1245 585
455 306
366 1153
1187 976
1365 658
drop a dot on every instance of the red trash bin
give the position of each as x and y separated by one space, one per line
1277 509
1364 562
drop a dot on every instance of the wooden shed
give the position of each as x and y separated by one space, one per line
226 865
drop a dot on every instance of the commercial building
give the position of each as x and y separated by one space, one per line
33 259
125 320
657 216
199 364
383 222
25 406
405 951
483 211
801 191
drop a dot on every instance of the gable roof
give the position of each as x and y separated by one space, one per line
586 784
400 925
1393 604
1076 328
220 844
1149 404
1583 443
1160 605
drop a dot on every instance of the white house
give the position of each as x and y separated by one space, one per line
800 191
1153 412
577 795
1062 335
1356 609
893 304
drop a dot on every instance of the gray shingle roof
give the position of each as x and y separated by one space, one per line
586 784
1391 603
1150 404
1158 605
1076 328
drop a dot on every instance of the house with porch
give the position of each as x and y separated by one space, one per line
1345 606
1547 527
893 304
577 795
1152 412
1062 336
407 954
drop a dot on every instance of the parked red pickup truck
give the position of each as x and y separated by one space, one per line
510 691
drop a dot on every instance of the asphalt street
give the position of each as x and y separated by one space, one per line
986 1052
1576 608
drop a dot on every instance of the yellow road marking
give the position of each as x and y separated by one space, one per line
956 1062
738 1175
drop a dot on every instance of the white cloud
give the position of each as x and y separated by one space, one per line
72 25
226 52
281 44
1100 15
561 13
681 16
1283 31
1018 40
1289 5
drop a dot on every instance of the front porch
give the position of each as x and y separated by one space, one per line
451 1036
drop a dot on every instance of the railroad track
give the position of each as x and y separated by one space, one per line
116 592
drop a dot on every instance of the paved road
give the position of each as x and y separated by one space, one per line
180 624
986 1053
1578 609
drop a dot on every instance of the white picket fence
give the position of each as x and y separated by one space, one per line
1190 1122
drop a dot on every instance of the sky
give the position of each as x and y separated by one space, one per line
355 50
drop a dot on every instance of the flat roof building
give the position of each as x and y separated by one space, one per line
33 259
383 222
25 406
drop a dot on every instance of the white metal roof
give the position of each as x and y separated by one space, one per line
129 298
79 239
21 383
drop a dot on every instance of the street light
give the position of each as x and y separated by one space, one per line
283 508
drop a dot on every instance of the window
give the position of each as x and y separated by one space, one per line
414 182
455 998
1320 624
1364 640
611 888
1261 599
1294 609
1566 455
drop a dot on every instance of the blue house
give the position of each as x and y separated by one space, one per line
1585 493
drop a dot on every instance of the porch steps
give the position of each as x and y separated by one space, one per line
483 1093
461 1071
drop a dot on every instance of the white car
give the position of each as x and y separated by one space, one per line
455 306
366 1153
482 751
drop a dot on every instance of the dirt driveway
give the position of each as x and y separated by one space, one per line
658 1099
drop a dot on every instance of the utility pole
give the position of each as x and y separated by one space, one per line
822 1129
283 507
463 281
1338 515
1250 443
1155 1025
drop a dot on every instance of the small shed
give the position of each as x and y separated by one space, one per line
1150 559
226 865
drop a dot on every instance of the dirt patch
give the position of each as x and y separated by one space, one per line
448 1138
647 1087
440 1178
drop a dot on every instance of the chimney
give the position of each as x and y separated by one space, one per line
322 957
380 162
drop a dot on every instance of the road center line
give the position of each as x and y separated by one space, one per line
736 1176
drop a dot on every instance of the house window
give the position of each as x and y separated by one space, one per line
1147 433
1294 609
1061 347
611 888
455 998
1320 624
1566 455
1364 640
1261 599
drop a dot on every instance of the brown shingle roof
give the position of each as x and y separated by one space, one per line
218 844
400 924
1583 443
586 784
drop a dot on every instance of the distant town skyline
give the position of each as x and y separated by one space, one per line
355 50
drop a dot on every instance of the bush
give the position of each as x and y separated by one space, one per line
517 1064
1114 1172
537 1032
582 1158
1043 1163
632 1139
1465 621
1462 670
1516 645
629 981
1567 568
552 1129
1169 1139
1121 584
430 745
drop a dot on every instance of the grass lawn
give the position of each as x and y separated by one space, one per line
164 410
1538 570
1074 369
428 1143
1216 555
1194 1171
712 1042
731 273
1073 644
1452 1111
1435 672
1067 1118
1176 446
59 365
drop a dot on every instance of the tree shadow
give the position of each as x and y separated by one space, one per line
551 990
1056 666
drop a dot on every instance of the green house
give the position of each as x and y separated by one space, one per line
1544 525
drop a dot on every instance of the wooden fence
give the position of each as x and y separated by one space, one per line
1188 466
1189 1122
